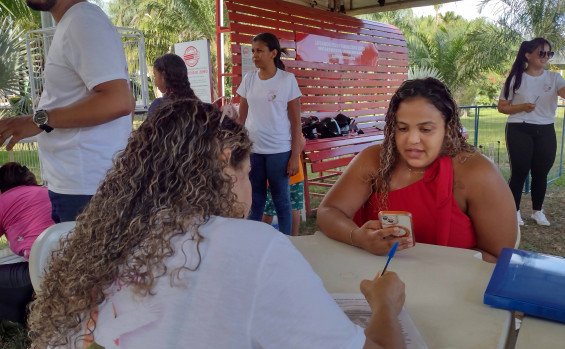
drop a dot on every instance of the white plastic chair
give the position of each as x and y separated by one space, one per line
41 250
518 237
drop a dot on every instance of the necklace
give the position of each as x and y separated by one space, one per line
414 171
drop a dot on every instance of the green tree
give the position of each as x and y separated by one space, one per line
18 12
11 60
166 22
402 19
460 56
526 19
449 46
13 74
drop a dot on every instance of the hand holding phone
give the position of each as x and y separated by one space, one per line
401 220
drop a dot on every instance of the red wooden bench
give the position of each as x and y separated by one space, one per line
359 91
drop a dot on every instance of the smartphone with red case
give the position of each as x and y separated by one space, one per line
400 219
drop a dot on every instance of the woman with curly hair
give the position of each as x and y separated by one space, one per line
25 212
456 196
162 257
171 78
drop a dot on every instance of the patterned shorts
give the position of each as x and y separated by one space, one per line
296 199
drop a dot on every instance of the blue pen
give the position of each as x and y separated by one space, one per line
390 255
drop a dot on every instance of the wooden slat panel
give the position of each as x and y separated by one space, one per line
281 14
325 143
313 91
345 83
345 67
326 184
344 75
343 106
359 115
344 99
313 16
385 65
246 38
329 177
360 92
329 164
335 152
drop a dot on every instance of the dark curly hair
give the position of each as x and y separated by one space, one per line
13 174
167 182
174 72
437 94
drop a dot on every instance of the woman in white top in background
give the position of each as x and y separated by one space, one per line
530 95
270 109
161 257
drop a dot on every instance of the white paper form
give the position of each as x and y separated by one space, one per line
355 306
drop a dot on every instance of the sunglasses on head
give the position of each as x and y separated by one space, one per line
549 54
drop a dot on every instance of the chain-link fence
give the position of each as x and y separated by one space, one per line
39 41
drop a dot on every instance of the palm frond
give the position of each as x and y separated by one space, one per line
424 72
12 61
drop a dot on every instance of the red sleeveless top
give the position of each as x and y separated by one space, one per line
436 217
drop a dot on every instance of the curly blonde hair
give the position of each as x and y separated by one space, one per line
454 143
167 182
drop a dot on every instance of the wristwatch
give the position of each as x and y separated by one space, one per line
40 118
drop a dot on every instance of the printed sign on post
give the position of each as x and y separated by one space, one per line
196 56
316 48
247 64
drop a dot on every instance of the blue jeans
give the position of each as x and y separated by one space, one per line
65 207
271 167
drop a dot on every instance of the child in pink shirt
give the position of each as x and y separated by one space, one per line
25 212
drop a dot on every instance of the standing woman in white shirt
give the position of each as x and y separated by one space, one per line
270 109
529 96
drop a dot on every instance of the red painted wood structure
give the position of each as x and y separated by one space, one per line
362 92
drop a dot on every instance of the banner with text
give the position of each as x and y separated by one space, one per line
196 56
247 64
316 48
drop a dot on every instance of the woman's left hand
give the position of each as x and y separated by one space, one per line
292 166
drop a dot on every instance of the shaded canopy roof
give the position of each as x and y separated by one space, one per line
358 7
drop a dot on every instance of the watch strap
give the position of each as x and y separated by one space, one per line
46 128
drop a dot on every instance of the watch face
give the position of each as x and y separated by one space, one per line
40 117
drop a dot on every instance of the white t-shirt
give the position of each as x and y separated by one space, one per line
253 289
267 116
543 88
86 51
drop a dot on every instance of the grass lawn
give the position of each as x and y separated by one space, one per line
491 137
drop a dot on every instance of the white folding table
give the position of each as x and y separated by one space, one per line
540 334
444 288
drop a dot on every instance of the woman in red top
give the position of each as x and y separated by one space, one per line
457 196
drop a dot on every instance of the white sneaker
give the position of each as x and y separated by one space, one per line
520 221
540 219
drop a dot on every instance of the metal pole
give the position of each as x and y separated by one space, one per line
221 57
220 46
47 21
476 125
562 139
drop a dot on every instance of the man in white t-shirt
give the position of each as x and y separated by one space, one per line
82 119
